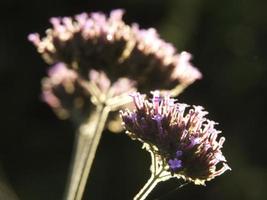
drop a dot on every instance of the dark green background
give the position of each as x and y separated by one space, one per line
228 40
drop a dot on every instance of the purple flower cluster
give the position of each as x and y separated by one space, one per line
186 143
68 95
97 42
63 92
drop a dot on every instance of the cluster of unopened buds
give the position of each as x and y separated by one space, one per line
96 62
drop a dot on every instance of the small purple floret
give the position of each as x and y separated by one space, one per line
179 153
175 164
158 118
193 142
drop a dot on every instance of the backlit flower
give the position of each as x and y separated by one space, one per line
69 96
184 141
63 92
95 41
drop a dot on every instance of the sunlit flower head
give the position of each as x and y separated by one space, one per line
106 43
63 92
184 141
68 95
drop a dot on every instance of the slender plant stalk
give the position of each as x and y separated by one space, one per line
149 186
178 90
6 191
88 137
86 145
155 178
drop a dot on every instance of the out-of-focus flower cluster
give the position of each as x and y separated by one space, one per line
94 41
98 57
185 142
62 83
69 96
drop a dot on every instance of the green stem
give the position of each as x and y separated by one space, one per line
85 149
178 90
88 138
149 186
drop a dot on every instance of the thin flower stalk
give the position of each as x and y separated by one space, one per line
158 174
89 134
88 139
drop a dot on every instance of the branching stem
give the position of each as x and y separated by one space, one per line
149 186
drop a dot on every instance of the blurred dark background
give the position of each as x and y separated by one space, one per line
229 42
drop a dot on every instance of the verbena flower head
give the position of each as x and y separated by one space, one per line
63 92
185 142
95 41
69 96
